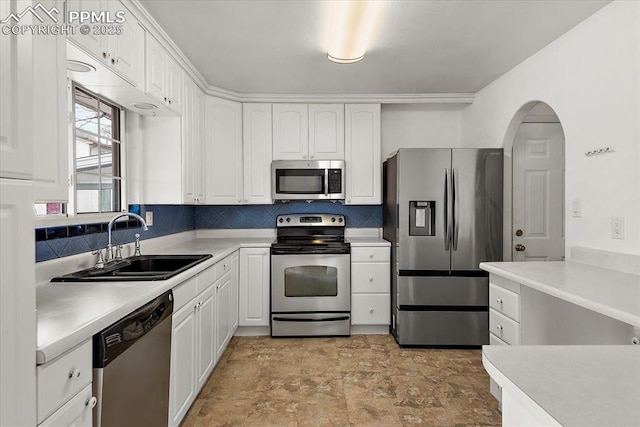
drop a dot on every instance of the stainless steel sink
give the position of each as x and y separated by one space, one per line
136 268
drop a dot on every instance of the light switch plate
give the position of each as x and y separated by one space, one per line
576 208
148 218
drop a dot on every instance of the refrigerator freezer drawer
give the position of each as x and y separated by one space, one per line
443 290
443 328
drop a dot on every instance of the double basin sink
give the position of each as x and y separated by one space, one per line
136 268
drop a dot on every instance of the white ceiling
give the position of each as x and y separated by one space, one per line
279 46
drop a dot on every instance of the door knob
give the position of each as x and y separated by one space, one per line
520 247
519 233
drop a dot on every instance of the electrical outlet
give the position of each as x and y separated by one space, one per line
617 227
576 208
149 218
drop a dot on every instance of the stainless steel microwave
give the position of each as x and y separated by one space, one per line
307 180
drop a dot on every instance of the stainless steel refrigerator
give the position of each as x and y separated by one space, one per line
443 217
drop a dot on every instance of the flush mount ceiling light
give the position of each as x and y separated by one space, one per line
144 106
79 66
354 23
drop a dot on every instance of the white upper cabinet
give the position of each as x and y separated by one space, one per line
257 153
308 131
223 151
362 154
290 132
50 164
163 75
326 131
16 89
121 47
192 144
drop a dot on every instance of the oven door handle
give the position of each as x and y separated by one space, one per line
306 319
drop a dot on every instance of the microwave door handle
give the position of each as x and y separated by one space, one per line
326 182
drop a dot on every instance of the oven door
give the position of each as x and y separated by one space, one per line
310 283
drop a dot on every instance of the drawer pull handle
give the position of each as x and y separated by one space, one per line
92 402
371 279
371 310
371 256
499 327
499 300
74 374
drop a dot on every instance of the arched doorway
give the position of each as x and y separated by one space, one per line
538 164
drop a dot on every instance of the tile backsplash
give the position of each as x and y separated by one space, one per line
58 242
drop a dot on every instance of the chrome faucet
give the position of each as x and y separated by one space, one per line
109 255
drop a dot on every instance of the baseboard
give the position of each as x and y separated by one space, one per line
252 331
369 329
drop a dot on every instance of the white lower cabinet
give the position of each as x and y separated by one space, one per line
206 322
183 363
370 286
255 268
64 388
234 303
223 314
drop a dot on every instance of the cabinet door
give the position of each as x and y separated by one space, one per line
17 304
326 131
233 304
126 50
174 85
223 152
254 287
206 320
183 359
189 143
290 132
198 132
16 102
94 44
223 314
156 68
77 412
50 90
257 153
362 154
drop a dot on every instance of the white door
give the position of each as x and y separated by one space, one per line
290 132
206 318
326 131
538 193
257 153
126 50
362 154
223 314
254 287
183 358
156 69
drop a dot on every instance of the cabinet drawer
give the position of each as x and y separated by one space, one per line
78 412
206 278
223 267
373 309
504 301
184 292
368 254
504 328
494 340
63 378
370 277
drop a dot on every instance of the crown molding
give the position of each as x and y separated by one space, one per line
158 32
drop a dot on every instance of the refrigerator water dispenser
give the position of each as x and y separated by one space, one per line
422 218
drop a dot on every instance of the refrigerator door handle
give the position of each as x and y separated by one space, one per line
455 207
447 208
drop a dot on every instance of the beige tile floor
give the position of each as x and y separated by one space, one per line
363 380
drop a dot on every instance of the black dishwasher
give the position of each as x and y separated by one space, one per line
131 364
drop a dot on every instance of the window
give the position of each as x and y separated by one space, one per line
97 148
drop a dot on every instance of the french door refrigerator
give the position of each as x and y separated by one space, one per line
443 217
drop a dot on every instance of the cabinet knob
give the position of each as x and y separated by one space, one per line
371 256
114 61
239 200
311 157
246 200
304 156
499 300
371 310
74 374
105 55
91 402
499 327
371 279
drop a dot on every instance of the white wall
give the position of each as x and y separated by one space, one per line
591 78
420 125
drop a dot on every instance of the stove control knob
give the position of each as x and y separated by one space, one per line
288 219
333 219
339 219
281 220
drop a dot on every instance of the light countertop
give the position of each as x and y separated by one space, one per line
368 241
69 313
576 385
604 291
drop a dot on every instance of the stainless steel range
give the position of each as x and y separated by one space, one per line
310 276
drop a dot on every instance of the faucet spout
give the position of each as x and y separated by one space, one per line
110 227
